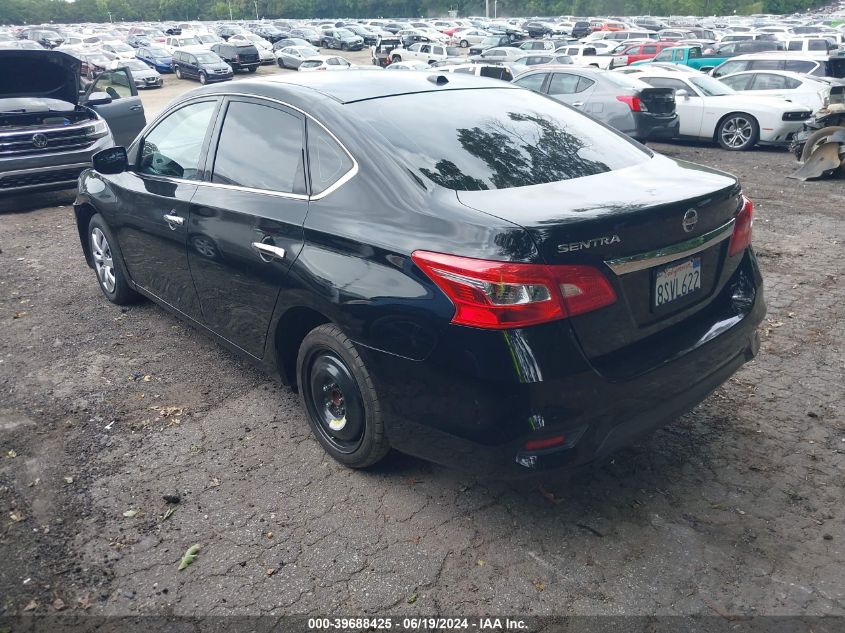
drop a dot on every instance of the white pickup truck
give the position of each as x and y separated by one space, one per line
425 52
583 55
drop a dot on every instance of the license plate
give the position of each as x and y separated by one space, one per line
676 281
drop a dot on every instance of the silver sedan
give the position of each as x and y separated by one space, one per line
293 56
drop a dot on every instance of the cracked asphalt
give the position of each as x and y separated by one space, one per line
735 508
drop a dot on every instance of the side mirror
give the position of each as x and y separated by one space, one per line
98 98
683 94
111 160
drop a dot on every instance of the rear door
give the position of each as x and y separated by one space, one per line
245 227
124 112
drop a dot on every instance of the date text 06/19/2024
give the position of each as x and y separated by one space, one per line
418 623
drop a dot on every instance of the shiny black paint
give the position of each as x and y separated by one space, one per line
456 395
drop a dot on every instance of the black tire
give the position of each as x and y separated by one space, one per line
280 62
738 132
203 78
252 69
344 46
324 44
115 287
334 382
395 58
464 44
178 73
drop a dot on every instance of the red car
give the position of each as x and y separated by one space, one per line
644 50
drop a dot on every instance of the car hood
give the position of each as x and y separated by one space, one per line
46 74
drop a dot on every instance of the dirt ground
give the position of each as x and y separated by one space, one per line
737 508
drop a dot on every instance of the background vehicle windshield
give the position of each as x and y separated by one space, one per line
208 58
494 138
159 52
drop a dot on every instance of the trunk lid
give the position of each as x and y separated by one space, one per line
609 220
46 74
658 100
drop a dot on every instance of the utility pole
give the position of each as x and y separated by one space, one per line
230 10
486 8
255 2
109 12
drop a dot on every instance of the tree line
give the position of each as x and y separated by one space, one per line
64 12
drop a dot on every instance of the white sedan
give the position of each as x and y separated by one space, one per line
804 89
467 37
708 109
121 49
325 62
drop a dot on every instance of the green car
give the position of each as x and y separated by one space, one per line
687 56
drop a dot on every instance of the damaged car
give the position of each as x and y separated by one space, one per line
820 146
49 130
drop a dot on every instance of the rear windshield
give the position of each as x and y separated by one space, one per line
494 138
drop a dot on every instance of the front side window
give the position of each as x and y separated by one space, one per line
740 82
173 148
273 162
115 83
532 82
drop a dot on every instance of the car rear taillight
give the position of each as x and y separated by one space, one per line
635 103
741 238
500 295
544 443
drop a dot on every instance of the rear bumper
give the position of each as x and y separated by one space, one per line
650 127
481 395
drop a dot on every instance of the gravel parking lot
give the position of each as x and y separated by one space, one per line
734 509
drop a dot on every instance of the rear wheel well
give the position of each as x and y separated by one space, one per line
84 213
294 325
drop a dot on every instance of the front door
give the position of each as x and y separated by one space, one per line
153 206
245 227
124 112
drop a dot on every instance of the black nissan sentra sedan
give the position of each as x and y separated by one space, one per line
451 266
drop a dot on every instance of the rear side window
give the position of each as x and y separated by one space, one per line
273 162
327 161
818 45
493 138
795 46
800 66
564 84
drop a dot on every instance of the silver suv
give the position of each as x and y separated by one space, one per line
49 129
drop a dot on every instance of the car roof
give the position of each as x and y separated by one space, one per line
348 87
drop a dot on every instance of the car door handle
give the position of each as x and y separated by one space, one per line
173 221
578 104
268 251
135 108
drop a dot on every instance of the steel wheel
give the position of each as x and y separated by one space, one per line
738 132
334 402
203 78
103 260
